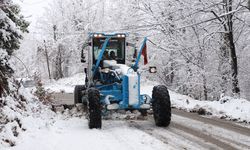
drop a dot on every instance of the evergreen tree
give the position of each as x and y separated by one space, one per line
12 25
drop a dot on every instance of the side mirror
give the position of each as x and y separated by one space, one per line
83 59
152 69
135 53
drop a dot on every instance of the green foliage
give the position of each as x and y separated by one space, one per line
12 25
18 19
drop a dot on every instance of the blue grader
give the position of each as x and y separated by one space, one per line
110 84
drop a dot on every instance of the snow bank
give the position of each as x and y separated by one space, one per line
14 108
66 84
227 107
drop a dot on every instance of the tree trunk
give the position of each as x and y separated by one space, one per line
66 68
172 63
228 50
233 56
59 70
204 86
47 58
171 73
224 65
234 65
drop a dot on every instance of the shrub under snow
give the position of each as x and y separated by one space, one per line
20 103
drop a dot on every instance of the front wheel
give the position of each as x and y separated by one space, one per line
161 106
94 108
78 93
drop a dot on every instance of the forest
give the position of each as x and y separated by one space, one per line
198 96
200 48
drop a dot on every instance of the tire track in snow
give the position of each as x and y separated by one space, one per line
131 138
234 139
217 122
207 136
171 136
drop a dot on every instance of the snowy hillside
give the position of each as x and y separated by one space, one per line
15 109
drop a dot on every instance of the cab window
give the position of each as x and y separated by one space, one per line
115 45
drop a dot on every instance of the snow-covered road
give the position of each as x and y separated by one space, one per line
198 133
64 132
50 131
74 134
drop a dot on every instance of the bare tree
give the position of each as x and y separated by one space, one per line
59 63
229 41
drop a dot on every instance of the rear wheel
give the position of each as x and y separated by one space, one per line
78 93
161 106
94 108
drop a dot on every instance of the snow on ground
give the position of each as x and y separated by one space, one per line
59 132
17 106
227 107
214 131
44 129
66 84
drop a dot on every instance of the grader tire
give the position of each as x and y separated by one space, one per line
78 93
94 109
161 106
